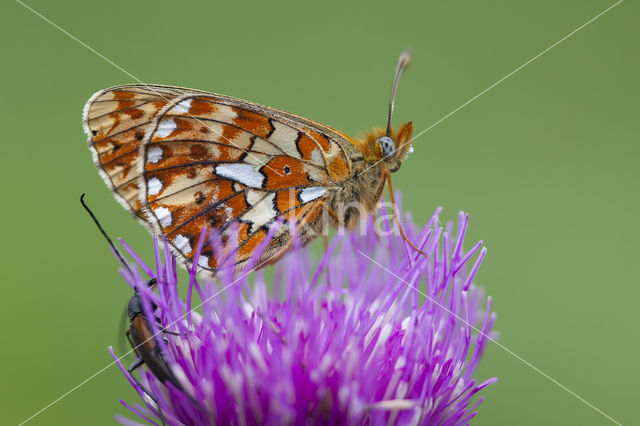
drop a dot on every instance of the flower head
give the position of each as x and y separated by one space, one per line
372 333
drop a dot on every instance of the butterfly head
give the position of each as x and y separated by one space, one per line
394 148
391 148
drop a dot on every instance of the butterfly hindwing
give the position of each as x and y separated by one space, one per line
117 120
210 161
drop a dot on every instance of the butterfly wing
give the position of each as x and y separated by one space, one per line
218 162
116 121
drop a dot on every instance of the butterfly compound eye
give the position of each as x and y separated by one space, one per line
387 145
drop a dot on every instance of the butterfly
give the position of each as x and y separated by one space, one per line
183 160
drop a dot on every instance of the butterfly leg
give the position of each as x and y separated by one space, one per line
325 238
395 215
332 213
325 241
299 225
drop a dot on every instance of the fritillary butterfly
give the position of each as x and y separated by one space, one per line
183 160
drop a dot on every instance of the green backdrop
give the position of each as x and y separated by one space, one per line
545 163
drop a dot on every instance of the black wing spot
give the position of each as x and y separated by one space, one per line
215 220
298 137
271 130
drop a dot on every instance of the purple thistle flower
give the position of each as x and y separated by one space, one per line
373 333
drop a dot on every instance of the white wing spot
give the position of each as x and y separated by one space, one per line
154 186
316 156
225 113
164 216
203 261
229 213
154 155
254 196
284 136
182 244
246 174
262 145
165 127
182 107
311 193
261 212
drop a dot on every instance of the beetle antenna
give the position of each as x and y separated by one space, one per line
95 219
403 61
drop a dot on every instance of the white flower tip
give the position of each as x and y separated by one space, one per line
394 404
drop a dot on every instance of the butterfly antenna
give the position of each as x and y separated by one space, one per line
403 61
95 219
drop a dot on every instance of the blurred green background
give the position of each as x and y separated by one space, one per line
545 163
